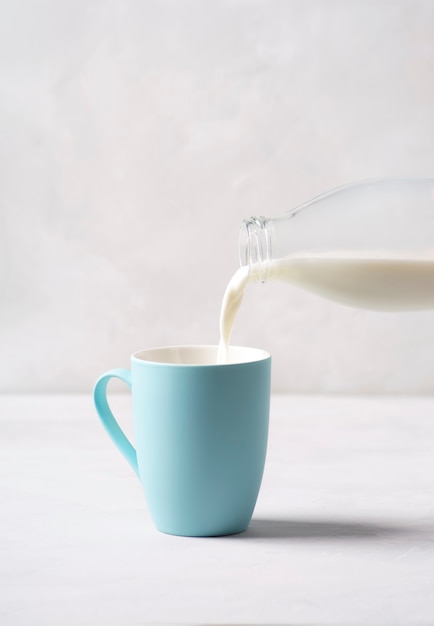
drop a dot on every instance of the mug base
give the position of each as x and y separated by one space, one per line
203 533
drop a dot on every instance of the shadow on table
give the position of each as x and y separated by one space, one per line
326 530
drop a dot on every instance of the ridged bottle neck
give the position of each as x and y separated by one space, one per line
255 246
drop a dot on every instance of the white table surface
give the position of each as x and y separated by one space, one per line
343 531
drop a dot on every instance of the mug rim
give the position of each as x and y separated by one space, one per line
252 355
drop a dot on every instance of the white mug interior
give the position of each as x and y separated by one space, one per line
200 355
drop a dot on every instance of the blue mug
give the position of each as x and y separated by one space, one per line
200 432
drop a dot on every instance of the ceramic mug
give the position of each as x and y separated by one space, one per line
200 431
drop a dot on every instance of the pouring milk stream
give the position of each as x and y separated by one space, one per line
368 245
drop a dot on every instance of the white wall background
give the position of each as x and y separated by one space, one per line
136 135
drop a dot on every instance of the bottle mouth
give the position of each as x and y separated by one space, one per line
254 246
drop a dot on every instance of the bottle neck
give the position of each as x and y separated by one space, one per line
255 246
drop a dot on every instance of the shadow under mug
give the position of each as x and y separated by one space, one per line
200 432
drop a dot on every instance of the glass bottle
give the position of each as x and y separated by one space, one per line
368 244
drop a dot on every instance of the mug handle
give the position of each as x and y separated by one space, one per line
107 418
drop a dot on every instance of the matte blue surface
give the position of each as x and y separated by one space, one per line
201 437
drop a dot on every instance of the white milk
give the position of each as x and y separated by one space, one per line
375 283
232 299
